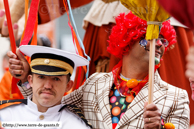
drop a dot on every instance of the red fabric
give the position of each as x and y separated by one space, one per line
31 22
14 88
43 11
95 43
182 10
173 66
10 28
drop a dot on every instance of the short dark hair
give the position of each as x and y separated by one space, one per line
19 40
44 39
68 77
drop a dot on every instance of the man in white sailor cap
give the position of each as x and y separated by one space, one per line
50 79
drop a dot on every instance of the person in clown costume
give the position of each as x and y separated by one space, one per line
119 99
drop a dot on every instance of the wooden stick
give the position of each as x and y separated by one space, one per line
151 71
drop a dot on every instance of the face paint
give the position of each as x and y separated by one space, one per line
162 41
158 42
157 61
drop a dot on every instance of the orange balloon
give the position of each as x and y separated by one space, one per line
169 126
116 111
129 99
132 83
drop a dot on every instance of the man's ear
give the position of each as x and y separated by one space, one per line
69 85
30 80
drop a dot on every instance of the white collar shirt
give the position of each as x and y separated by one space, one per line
29 113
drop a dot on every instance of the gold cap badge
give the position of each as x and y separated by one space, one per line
46 61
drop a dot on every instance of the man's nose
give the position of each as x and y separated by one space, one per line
48 84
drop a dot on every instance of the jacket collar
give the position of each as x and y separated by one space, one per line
102 98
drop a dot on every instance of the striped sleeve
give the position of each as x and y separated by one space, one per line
26 91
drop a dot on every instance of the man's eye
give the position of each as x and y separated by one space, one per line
56 79
41 77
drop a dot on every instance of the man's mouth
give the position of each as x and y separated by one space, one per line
46 92
157 53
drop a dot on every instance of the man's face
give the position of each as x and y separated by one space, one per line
159 48
142 54
48 90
